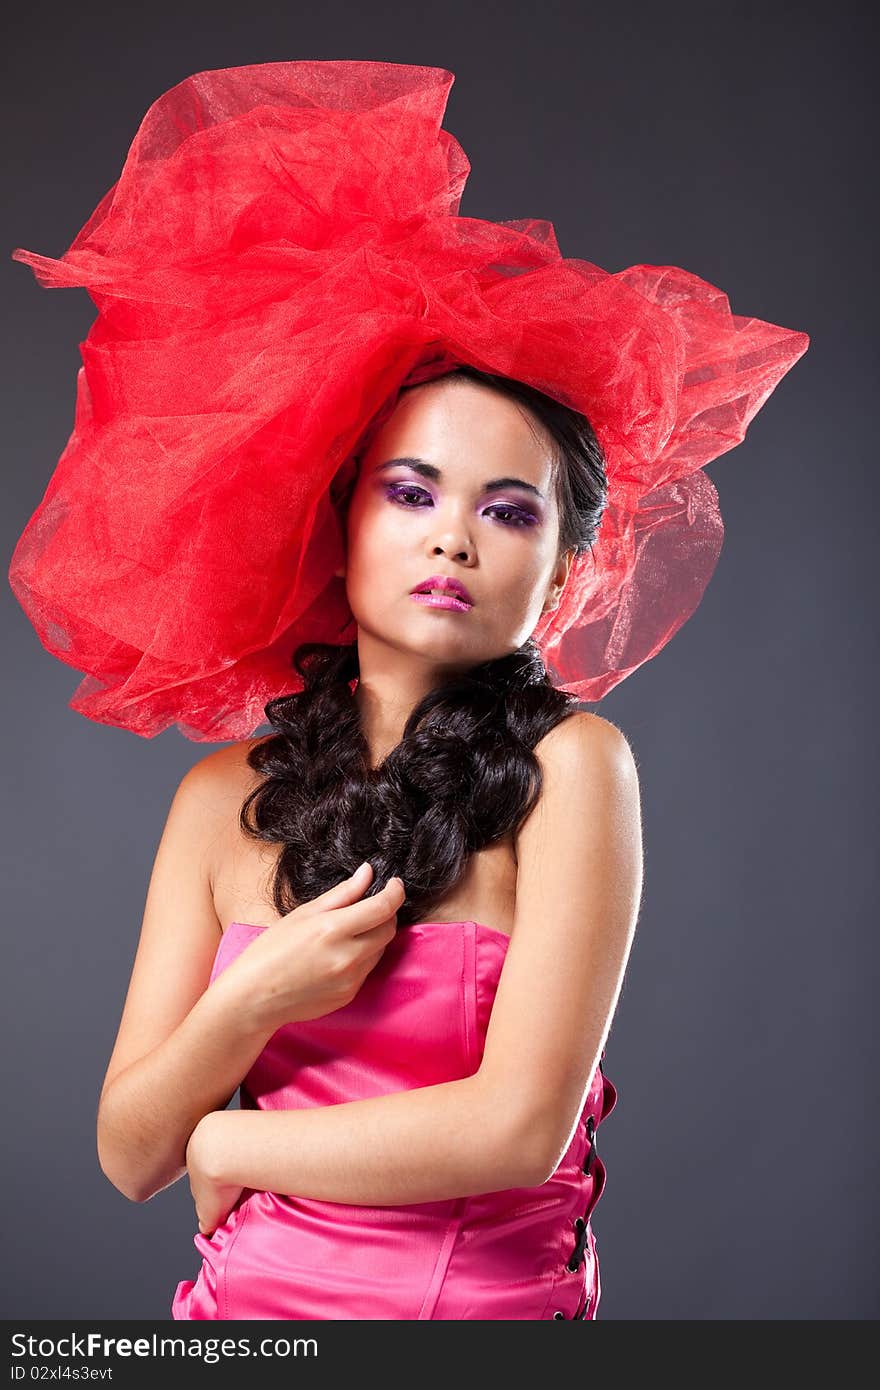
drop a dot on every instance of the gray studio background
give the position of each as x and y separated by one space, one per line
741 1156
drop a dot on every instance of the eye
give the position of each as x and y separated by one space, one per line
518 516
397 491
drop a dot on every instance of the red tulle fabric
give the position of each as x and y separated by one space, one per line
281 252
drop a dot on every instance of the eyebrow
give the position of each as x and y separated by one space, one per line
430 470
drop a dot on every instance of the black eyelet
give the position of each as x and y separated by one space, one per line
577 1254
557 1314
591 1152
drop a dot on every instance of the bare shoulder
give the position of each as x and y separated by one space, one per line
585 735
588 769
214 790
223 777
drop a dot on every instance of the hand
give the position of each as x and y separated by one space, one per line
315 959
214 1198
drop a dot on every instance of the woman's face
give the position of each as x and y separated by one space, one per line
458 482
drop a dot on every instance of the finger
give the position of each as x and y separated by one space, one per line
371 945
348 890
379 935
372 912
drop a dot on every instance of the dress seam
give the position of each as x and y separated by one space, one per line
245 1213
468 982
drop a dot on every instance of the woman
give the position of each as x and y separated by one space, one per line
401 922
459 1143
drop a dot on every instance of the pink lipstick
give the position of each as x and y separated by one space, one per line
442 591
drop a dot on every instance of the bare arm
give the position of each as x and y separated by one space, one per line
578 894
147 1114
578 891
182 1047
450 1140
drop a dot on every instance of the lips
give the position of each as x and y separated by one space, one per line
445 586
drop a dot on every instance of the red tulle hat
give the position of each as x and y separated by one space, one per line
281 253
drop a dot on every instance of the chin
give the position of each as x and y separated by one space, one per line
443 653
442 649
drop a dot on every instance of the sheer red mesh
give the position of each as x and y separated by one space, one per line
281 250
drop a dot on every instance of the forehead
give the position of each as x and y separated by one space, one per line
453 422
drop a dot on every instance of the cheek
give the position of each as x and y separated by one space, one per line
520 569
373 538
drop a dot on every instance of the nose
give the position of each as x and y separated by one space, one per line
464 553
452 538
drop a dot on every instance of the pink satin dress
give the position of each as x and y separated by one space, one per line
419 1018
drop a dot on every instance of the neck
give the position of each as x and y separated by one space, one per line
389 686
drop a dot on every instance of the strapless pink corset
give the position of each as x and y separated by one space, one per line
419 1018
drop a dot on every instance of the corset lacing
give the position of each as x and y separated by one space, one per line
595 1168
